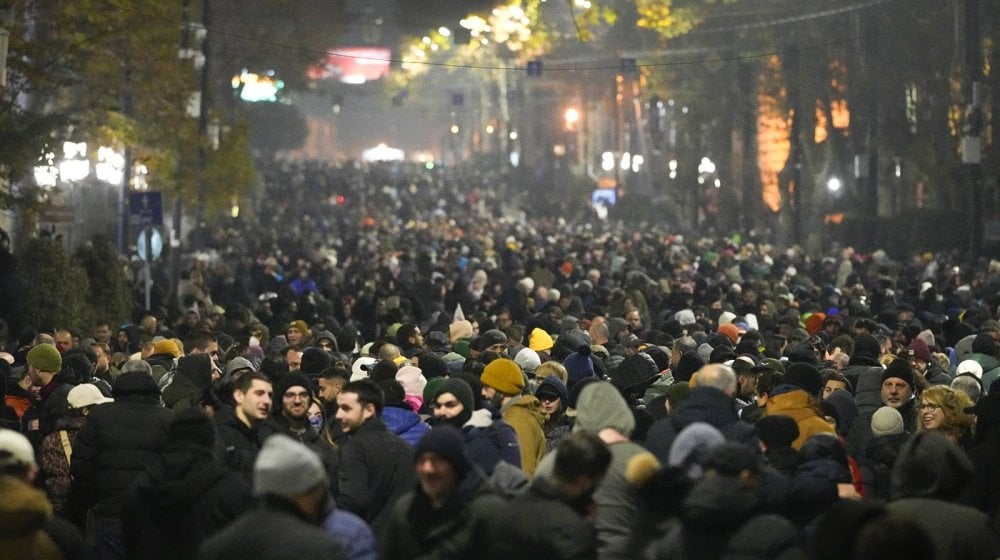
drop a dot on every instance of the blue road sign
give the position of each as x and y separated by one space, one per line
145 209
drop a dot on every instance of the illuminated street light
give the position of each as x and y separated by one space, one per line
572 117
444 31
512 135
834 185
707 166
454 129
490 129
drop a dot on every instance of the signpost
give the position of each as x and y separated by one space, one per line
145 210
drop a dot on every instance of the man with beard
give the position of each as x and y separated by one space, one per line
331 383
896 392
291 417
239 439
376 463
488 441
502 385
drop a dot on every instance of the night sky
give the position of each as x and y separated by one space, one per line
424 14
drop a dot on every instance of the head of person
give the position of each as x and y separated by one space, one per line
290 472
44 361
409 335
441 462
897 384
552 367
84 397
358 402
553 395
17 456
102 332
253 394
331 382
501 379
834 381
297 332
943 408
582 459
295 392
919 355
717 376
63 340
293 357
315 415
453 403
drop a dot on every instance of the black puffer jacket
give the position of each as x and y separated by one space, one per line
237 444
458 529
193 376
719 520
119 442
376 469
876 469
705 404
176 507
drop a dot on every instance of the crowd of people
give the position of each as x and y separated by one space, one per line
398 363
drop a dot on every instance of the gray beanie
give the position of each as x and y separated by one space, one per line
887 421
285 467
693 446
601 406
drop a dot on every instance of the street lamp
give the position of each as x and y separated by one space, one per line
571 117
834 185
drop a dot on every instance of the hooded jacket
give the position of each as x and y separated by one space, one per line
601 406
929 473
524 414
720 519
405 423
177 506
796 404
193 376
704 404
119 442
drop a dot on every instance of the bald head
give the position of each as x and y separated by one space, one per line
720 376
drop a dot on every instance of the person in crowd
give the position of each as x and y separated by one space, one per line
602 411
118 442
239 428
186 498
929 475
488 440
376 465
293 487
30 530
44 364
897 392
798 397
551 519
450 511
554 398
503 383
710 401
943 409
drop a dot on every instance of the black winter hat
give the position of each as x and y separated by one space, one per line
447 442
689 363
382 369
287 381
984 344
721 354
134 383
661 358
805 377
901 369
315 360
190 425
431 365
78 366
636 371
197 368
777 430
866 345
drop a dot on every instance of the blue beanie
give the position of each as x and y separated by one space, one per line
578 365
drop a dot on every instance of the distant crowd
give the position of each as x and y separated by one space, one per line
400 363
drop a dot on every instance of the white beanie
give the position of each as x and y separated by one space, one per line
887 421
286 467
971 367
358 370
528 360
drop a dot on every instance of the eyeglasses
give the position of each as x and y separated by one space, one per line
931 407
548 398
296 395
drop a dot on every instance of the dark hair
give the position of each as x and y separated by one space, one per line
404 332
198 340
368 392
835 375
767 381
581 454
335 373
245 381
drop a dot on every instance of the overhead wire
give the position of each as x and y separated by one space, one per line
556 68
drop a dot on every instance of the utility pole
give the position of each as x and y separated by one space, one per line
973 129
